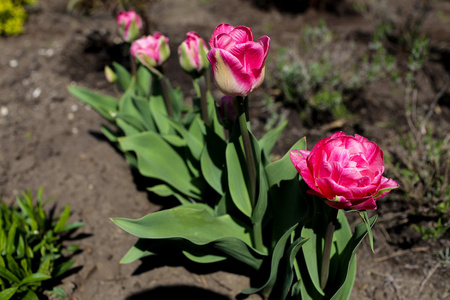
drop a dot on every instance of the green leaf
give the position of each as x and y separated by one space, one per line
123 76
144 78
283 169
236 168
277 255
203 259
270 138
10 243
111 136
63 219
212 160
106 106
36 277
159 113
164 190
195 223
365 218
72 226
8 293
30 295
143 107
156 159
5 273
62 268
13 266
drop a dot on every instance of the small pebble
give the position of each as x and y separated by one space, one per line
74 130
13 63
36 93
70 116
74 108
4 111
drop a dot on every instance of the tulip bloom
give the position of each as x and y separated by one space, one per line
151 51
130 24
238 62
192 54
345 170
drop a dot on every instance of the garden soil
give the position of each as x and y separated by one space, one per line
50 139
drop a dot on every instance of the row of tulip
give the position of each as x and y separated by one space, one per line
235 203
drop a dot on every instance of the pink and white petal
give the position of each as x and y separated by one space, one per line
342 203
385 187
229 74
250 54
265 43
298 157
242 34
331 189
224 41
221 28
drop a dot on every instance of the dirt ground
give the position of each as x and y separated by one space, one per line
50 139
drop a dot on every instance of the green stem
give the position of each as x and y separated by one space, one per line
247 148
167 97
327 248
203 100
133 66
251 168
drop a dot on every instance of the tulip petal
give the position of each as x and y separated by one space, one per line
229 74
242 34
221 28
224 41
251 56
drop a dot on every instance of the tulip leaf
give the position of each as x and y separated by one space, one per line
236 168
197 224
123 76
193 137
270 138
159 113
111 136
283 169
144 80
203 259
164 190
145 115
212 160
174 140
277 255
105 105
157 159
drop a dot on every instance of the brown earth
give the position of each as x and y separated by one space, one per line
50 139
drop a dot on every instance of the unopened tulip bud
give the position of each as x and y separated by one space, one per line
192 55
130 24
238 63
110 75
151 51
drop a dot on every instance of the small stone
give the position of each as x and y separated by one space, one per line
74 108
36 93
70 116
4 111
74 130
13 63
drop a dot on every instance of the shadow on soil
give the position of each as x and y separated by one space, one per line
177 292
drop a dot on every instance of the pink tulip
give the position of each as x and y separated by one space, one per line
192 54
151 51
238 62
130 24
345 170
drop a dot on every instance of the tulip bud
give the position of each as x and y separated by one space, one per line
192 55
130 24
228 111
151 51
238 62
110 75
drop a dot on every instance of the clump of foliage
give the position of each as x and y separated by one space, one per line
328 72
13 16
31 250
422 153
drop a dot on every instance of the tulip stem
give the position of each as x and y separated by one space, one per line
257 230
327 248
203 100
167 97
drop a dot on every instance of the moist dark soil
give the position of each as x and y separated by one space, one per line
50 139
